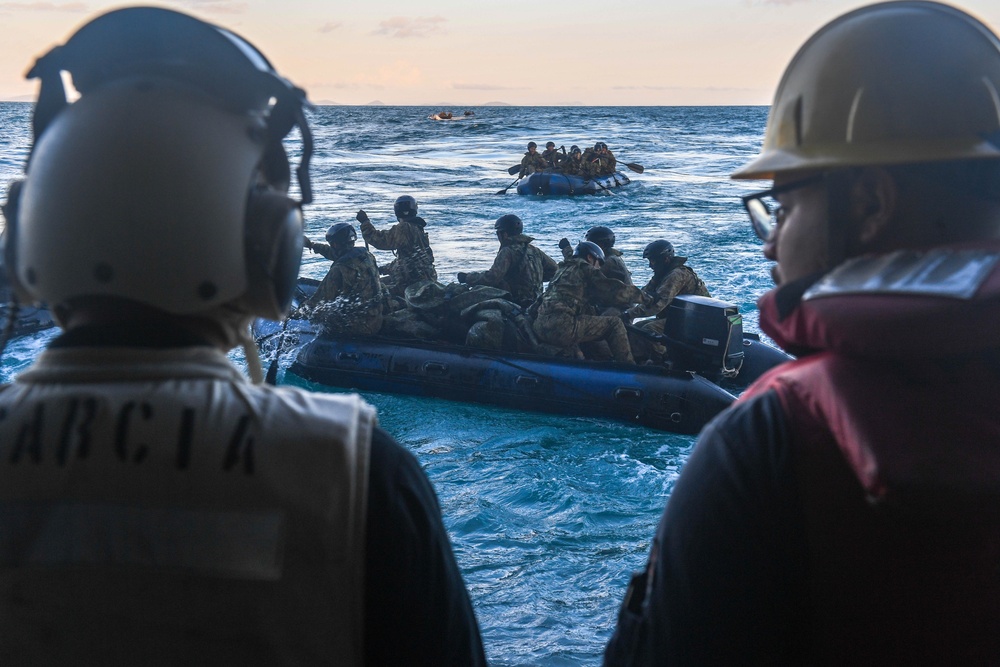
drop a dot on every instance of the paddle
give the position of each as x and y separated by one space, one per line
504 191
271 377
515 169
637 168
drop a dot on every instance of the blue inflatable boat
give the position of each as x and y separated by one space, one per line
711 361
554 183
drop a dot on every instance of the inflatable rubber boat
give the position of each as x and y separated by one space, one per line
555 183
710 361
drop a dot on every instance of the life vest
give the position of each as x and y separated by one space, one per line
159 509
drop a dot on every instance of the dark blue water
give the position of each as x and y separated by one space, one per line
548 515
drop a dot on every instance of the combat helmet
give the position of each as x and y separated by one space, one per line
602 236
933 96
658 251
586 249
510 224
405 207
341 235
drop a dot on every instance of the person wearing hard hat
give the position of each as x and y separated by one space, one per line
846 510
158 507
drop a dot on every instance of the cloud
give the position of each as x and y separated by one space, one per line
484 86
403 27
71 7
330 26
217 6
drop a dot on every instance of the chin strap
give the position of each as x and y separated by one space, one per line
254 367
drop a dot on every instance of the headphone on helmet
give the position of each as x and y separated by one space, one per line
138 49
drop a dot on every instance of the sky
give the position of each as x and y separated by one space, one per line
472 52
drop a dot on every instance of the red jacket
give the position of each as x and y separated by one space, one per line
847 509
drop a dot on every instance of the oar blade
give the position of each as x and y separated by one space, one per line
637 168
513 170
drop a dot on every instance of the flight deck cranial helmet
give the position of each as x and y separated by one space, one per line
934 95
341 235
405 207
585 249
509 224
602 236
165 182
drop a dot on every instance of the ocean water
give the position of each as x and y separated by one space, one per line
548 515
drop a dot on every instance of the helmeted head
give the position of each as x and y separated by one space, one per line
575 150
585 249
509 225
405 207
597 146
532 146
934 94
602 236
550 145
889 98
165 183
341 236
658 253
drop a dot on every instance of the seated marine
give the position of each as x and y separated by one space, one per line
349 298
414 258
572 164
614 265
552 156
519 268
671 276
565 316
532 161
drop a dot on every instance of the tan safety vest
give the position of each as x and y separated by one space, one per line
157 508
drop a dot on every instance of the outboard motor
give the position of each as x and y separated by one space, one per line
705 335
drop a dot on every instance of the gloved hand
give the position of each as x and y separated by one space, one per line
307 242
462 277
564 242
362 217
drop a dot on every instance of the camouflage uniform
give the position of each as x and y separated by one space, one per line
552 157
563 317
414 258
349 299
572 165
594 164
657 295
609 162
519 268
532 162
613 267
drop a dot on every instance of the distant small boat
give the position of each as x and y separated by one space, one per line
555 183
448 115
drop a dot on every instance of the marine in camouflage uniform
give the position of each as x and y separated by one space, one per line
671 276
572 164
532 161
564 318
414 259
552 156
613 267
610 162
349 298
519 268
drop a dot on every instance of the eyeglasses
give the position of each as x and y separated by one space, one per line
763 218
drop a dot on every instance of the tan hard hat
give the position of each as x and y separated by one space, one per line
890 83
